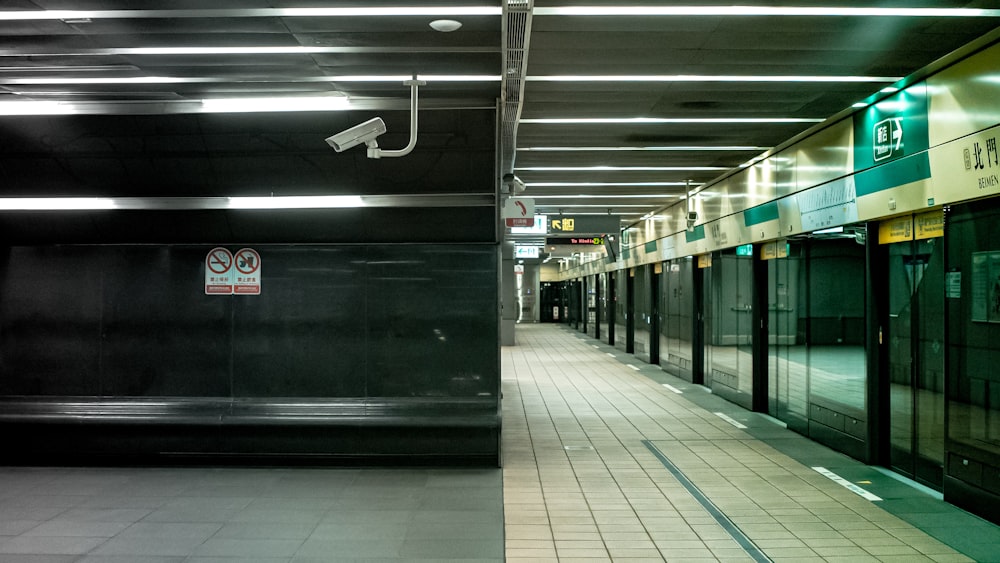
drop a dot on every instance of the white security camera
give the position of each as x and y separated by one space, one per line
514 184
364 133
692 216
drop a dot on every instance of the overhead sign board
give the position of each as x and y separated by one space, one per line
538 228
584 224
525 252
891 141
519 212
575 241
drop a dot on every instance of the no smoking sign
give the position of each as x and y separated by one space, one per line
227 273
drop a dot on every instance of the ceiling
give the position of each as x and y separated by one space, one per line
681 95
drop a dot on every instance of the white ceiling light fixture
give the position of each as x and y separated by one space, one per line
296 202
290 103
709 78
40 80
373 11
606 196
185 203
445 26
622 168
56 203
666 148
599 184
660 120
796 11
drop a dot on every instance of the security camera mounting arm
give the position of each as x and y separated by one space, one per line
373 149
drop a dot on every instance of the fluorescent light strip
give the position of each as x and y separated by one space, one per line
255 50
602 196
300 103
600 184
56 203
556 213
379 11
617 149
296 202
817 11
215 79
654 120
621 168
131 203
708 78
604 206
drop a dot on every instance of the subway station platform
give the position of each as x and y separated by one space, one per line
610 459
605 459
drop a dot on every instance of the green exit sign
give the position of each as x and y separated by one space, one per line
744 250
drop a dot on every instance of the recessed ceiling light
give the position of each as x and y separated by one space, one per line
445 26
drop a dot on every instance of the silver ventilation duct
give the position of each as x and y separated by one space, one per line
516 31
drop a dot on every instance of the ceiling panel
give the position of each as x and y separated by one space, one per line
167 151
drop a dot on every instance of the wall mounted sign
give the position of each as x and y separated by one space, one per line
219 272
228 274
247 272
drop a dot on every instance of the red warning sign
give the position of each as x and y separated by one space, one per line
219 272
247 272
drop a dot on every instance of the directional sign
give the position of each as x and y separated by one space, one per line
887 138
247 272
219 272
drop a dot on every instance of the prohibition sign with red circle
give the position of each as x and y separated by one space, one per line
247 261
219 260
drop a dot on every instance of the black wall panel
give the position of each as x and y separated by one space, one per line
362 340
304 335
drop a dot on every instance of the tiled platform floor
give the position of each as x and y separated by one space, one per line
589 433
247 515
583 424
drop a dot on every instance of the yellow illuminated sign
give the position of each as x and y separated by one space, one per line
565 224
928 225
704 260
772 250
899 229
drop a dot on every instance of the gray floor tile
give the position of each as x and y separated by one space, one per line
49 545
73 528
265 530
247 548
360 549
130 559
451 549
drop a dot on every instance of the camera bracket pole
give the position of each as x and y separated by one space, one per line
375 152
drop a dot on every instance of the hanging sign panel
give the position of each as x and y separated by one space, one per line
246 265
219 272
519 212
